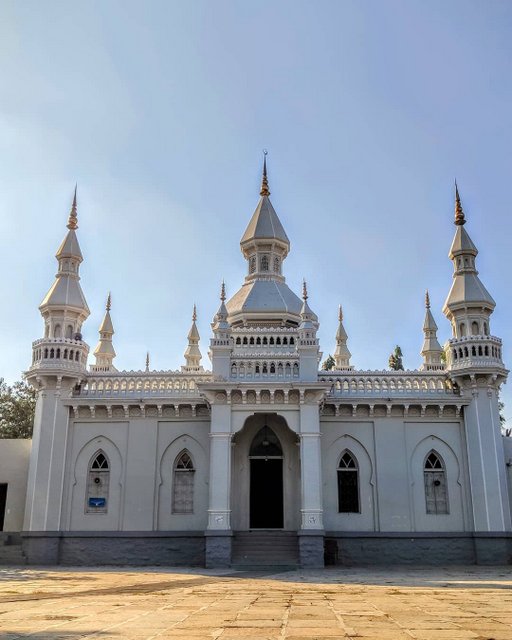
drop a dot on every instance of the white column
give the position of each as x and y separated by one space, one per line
491 507
219 511
311 468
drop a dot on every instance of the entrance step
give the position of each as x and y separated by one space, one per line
265 550
10 549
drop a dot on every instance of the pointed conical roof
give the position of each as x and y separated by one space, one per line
106 325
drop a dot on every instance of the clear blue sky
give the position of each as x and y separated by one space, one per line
160 111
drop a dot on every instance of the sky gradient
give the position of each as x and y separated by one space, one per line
160 111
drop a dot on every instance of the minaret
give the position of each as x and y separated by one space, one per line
64 309
147 361
59 364
432 352
220 343
104 351
476 369
192 353
342 354
307 345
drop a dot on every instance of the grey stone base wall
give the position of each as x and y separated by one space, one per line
311 550
418 548
218 550
116 548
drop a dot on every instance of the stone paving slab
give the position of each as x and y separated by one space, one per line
158 604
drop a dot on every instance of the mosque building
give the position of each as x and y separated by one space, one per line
265 459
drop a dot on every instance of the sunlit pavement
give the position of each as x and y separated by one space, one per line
382 603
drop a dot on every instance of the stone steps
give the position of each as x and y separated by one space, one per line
265 550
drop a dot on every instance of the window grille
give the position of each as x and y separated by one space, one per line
436 491
348 484
98 484
183 484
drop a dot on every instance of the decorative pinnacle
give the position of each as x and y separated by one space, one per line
223 291
265 191
304 290
147 361
340 313
109 301
73 218
459 212
427 300
194 314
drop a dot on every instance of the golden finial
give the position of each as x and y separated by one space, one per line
73 218
109 301
459 212
265 191
223 291
194 314
340 313
427 300
147 361
304 290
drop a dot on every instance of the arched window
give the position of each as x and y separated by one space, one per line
474 328
238 341
57 331
486 329
183 484
462 329
69 331
98 483
348 484
436 492
264 263
277 265
252 264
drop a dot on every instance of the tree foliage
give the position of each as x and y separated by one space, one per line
329 363
395 360
17 406
501 407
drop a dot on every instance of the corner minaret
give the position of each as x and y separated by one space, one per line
308 346
431 351
64 309
475 367
341 354
192 353
104 351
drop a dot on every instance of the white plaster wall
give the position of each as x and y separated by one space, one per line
390 454
507 446
141 452
14 461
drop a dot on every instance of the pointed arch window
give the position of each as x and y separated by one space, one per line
436 491
183 484
348 484
264 263
98 484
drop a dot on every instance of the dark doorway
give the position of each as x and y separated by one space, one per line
3 500
266 499
266 494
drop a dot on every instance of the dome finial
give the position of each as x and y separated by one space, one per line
223 291
304 290
109 301
147 361
73 218
265 191
459 212
340 313
194 314
427 300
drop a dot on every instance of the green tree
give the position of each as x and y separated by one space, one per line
329 363
501 407
395 360
17 406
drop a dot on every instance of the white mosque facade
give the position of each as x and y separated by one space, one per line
266 459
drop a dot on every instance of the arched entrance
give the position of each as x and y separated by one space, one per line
266 481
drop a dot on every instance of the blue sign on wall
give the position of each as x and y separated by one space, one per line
97 502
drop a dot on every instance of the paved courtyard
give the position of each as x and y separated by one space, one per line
383 603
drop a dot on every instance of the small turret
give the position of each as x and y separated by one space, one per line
193 354
64 310
342 354
104 351
220 343
431 351
307 345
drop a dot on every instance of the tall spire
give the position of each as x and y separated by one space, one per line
265 191
104 351
459 212
73 217
431 350
304 290
341 354
147 362
192 353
